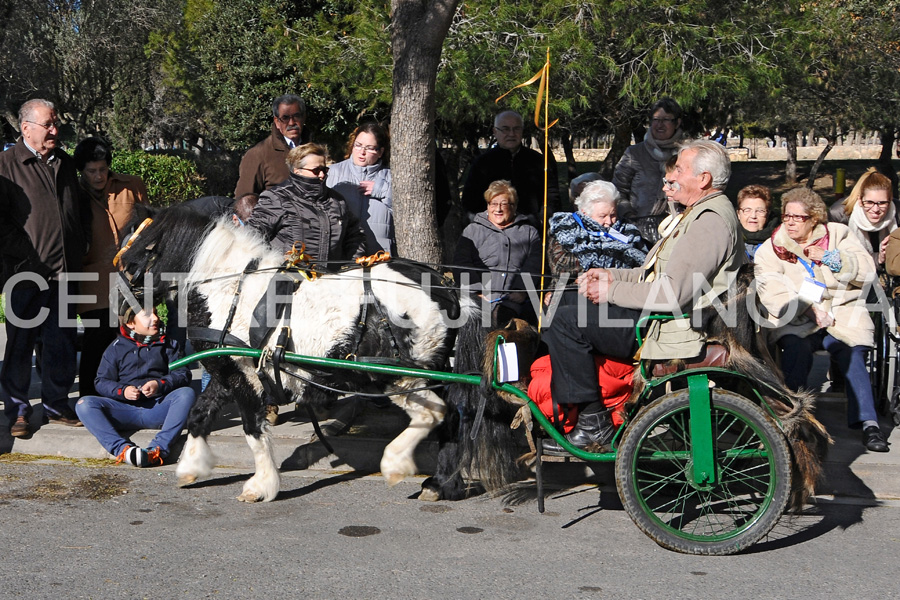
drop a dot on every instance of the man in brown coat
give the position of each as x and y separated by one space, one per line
44 202
264 164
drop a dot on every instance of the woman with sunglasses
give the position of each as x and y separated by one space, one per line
869 212
303 210
811 277
364 180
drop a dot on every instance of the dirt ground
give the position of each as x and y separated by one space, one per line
771 174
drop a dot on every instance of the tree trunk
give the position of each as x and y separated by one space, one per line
811 182
621 141
418 29
885 165
566 139
790 167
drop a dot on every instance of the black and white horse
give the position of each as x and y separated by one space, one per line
411 316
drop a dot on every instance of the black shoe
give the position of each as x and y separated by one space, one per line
592 429
874 440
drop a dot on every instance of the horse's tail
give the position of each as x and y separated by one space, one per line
806 436
487 446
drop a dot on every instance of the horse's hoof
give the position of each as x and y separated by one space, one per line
186 480
249 497
429 495
393 479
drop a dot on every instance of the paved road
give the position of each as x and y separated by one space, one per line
76 531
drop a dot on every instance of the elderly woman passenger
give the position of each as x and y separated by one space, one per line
592 236
810 278
500 242
303 210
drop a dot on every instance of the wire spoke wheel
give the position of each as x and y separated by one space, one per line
751 486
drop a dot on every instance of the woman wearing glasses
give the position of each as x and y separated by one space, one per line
869 212
303 210
640 172
754 205
364 180
810 277
501 249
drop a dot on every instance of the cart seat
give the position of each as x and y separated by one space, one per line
713 355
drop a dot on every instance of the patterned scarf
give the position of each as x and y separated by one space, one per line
787 249
589 241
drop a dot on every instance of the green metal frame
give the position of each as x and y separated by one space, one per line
697 383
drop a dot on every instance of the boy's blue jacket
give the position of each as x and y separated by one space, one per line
129 362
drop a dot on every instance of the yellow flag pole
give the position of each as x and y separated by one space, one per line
543 87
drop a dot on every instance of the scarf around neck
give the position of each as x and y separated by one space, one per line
591 244
860 225
662 150
789 250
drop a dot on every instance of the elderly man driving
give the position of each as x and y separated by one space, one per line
695 260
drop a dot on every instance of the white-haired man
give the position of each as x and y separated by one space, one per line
44 202
675 279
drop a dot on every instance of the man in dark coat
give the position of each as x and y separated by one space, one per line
522 166
43 201
263 166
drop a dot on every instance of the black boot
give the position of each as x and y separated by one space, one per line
593 427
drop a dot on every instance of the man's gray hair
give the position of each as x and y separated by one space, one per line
289 99
26 111
509 112
596 192
710 158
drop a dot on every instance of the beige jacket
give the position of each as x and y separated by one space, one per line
778 284
695 263
110 213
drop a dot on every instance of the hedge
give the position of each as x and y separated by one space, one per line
169 179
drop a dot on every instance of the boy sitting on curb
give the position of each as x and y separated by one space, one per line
138 391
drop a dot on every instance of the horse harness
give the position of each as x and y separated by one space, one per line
286 282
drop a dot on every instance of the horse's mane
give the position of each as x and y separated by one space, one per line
228 249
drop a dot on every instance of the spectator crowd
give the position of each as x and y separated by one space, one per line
661 236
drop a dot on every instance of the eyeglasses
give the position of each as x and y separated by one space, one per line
499 204
872 204
370 149
47 126
755 211
795 218
661 121
296 117
508 130
316 170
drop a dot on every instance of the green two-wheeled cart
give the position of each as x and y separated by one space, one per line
701 462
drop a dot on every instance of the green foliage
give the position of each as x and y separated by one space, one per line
169 179
2 308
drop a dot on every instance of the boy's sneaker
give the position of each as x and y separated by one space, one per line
155 458
134 456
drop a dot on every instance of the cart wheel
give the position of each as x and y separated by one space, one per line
753 475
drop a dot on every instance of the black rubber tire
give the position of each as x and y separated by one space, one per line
743 506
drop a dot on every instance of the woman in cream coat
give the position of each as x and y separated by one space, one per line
812 276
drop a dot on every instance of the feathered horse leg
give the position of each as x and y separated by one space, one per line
426 410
